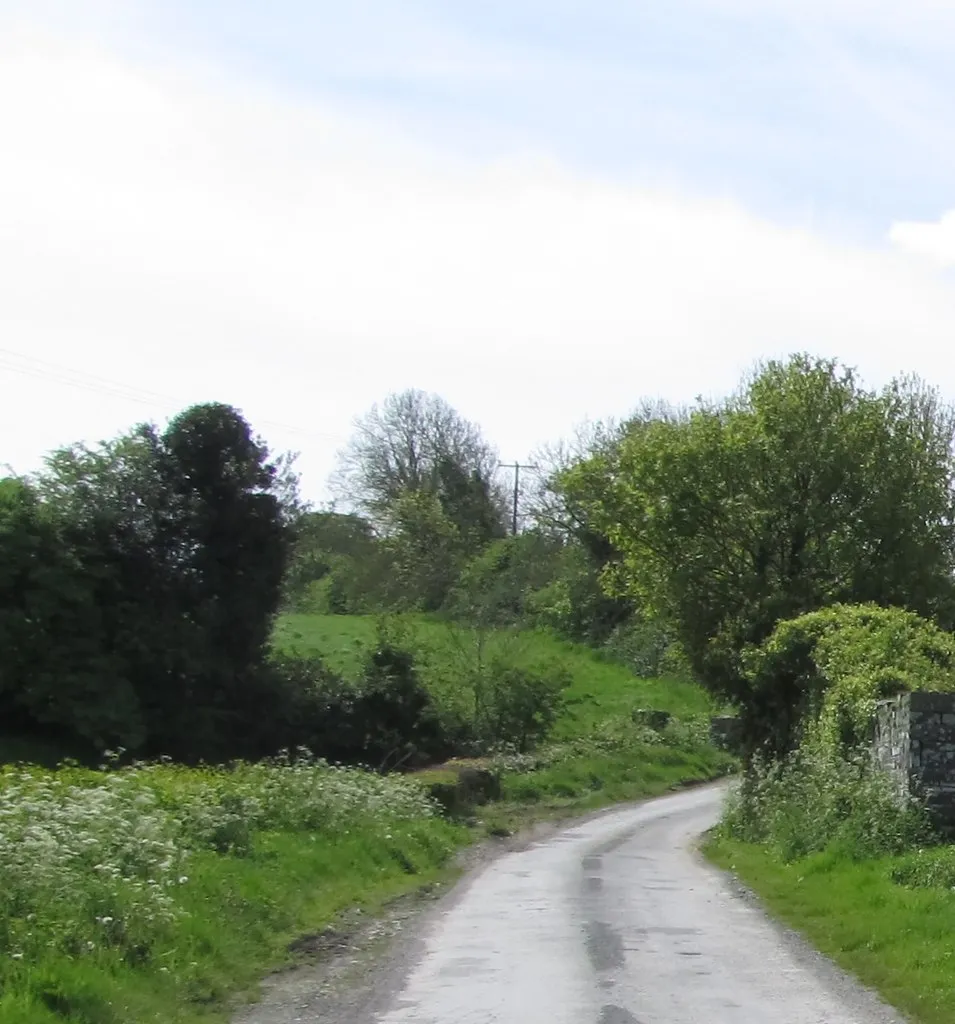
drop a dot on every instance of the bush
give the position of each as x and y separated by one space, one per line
831 667
815 800
648 648
518 706
385 719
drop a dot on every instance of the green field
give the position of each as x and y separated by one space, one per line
596 755
601 689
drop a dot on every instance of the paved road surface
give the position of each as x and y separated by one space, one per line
617 921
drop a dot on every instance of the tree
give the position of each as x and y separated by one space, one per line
415 442
57 679
327 544
182 538
426 553
468 500
802 490
498 586
575 603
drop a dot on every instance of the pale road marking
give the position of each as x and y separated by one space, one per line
618 921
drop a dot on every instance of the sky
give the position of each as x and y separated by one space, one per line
543 212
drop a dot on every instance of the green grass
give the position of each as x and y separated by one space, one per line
601 689
897 940
104 946
243 912
597 757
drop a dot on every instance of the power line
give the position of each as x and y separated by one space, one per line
42 369
517 467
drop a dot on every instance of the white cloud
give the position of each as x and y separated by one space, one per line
195 238
934 240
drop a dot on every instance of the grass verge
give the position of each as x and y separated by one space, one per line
159 893
897 940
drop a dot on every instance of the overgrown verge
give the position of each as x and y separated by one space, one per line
159 893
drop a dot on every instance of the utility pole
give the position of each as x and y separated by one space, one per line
517 467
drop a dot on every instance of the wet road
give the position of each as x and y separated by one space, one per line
617 921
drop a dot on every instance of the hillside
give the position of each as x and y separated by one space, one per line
601 688
601 749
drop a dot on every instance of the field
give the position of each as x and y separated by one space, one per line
159 893
601 689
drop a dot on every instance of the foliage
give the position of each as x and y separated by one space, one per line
574 603
383 719
498 585
415 442
820 675
329 547
817 800
648 648
143 577
519 706
800 491
447 654
427 551
56 676
157 886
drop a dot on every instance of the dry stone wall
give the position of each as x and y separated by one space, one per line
915 743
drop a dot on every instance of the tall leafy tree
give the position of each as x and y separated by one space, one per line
182 537
802 490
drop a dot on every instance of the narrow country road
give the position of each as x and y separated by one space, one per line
618 921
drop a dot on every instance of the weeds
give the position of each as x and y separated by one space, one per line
92 860
814 801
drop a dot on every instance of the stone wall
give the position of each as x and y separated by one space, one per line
915 743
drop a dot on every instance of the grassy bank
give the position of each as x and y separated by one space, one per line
896 938
161 893
600 752
600 689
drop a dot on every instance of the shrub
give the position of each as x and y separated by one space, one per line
385 719
648 648
834 665
394 714
815 800
518 706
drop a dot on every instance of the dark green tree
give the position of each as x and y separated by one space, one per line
181 538
58 680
